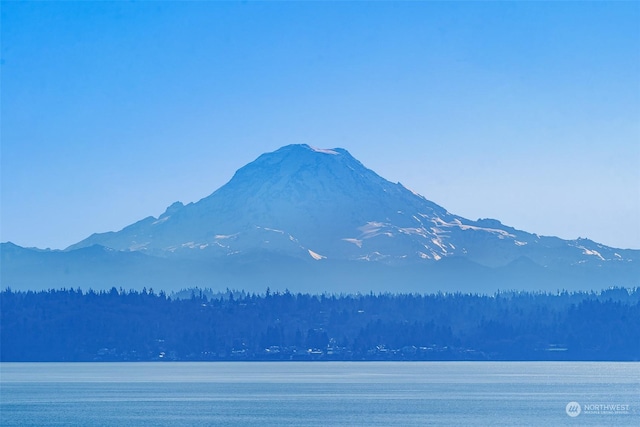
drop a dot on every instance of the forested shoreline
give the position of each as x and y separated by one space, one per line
196 325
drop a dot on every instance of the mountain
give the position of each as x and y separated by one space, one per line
304 216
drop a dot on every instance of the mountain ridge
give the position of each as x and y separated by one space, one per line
324 208
298 190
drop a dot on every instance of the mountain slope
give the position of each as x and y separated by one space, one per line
309 219
310 203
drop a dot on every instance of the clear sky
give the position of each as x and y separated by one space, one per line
528 112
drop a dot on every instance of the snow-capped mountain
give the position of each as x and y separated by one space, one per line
302 214
324 204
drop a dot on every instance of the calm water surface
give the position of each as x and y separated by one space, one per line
319 394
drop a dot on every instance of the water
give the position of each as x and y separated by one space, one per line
318 393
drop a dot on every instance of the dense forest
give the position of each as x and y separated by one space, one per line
118 325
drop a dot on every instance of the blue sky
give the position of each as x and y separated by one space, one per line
524 112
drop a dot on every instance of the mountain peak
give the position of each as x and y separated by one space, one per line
306 147
302 214
305 153
297 167
315 203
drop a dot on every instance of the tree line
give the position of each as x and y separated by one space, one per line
119 325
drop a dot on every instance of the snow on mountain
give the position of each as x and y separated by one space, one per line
323 204
312 220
